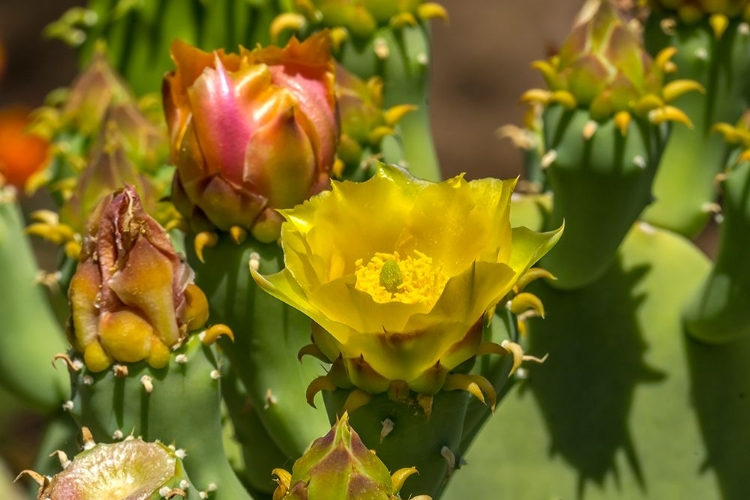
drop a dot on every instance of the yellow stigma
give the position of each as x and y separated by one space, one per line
412 280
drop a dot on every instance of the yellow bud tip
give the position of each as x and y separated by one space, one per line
536 96
676 88
203 240
396 113
378 133
211 335
338 36
403 20
400 476
669 113
622 122
564 98
287 21
719 23
356 399
432 10
663 58
238 234
338 168
526 302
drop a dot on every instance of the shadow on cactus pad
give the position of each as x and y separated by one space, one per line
720 380
585 391
609 415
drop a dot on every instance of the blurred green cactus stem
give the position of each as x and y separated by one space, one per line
604 129
339 466
138 33
712 44
718 312
717 12
251 133
132 469
32 334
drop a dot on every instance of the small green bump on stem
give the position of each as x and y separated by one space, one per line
390 276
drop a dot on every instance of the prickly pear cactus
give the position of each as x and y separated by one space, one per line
267 251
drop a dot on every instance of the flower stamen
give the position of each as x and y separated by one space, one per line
414 279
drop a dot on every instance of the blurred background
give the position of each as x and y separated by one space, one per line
480 67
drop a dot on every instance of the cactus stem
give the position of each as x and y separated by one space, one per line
450 458
387 428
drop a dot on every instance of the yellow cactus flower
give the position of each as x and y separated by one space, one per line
398 273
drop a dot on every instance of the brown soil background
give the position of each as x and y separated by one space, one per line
480 67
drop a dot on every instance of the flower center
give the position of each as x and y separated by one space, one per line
388 277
